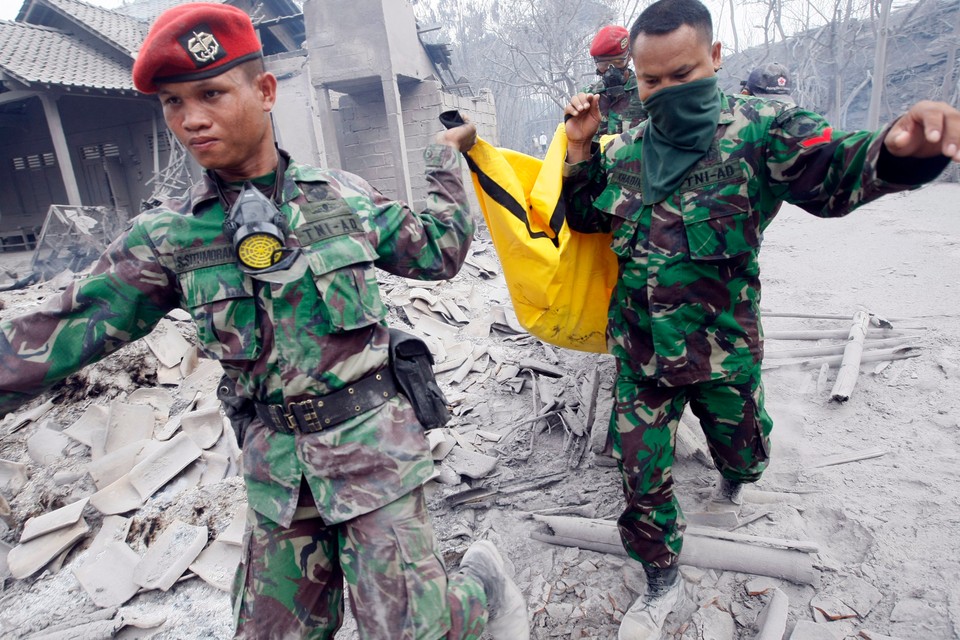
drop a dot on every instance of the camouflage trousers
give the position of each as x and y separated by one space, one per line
643 428
290 584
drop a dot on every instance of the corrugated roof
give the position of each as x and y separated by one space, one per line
123 31
40 55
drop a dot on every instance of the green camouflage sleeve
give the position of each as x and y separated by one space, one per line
582 185
123 298
830 173
431 244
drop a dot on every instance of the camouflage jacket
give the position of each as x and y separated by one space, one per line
278 342
686 307
619 111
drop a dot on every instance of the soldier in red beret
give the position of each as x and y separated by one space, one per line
275 261
620 105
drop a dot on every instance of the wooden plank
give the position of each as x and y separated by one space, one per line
846 379
782 543
844 458
827 334
880 355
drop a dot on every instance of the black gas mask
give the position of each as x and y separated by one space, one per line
257 229
613 80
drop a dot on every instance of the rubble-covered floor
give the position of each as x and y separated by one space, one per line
865 492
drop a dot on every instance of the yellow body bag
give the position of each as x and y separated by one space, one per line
559 280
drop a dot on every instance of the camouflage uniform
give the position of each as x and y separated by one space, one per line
284 342
621 111
684 319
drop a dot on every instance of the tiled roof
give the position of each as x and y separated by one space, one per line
40 55
123 31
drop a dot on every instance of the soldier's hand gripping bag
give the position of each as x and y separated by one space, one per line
239 410
412 366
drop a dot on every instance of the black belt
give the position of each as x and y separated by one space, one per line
323 412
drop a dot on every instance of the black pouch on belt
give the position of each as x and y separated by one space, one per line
412 366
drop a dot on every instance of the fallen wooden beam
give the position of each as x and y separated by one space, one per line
880 355
846 379
844 458
828 334
780 543
836 349
699 551
875 320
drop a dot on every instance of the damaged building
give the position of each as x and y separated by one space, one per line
358 91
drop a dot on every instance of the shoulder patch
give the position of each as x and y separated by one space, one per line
826 136
800 124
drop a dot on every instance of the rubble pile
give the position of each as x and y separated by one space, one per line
121 487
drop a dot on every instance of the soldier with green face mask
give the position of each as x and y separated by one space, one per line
687 196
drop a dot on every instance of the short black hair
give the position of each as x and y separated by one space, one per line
666 16
253 68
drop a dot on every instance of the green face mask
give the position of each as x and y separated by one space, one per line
682 124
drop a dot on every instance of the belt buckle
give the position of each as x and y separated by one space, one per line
291 420
303 417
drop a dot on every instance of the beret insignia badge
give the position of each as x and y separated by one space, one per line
203 47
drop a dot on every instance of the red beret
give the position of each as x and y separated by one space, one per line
611 41
192 42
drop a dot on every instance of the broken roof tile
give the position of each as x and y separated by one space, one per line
167 344
52 520
28 558
128 423
161 466
46 446
217 564
170 555
107 468
13 476
203 426
90 428
107 574
117 497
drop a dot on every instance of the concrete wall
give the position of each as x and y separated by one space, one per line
354 41
367 149
366 146
295 116
378 99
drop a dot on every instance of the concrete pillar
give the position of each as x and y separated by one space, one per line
330 150
61 149
398 139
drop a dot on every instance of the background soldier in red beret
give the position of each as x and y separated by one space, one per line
275 262
620 105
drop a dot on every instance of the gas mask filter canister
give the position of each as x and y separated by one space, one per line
256 227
